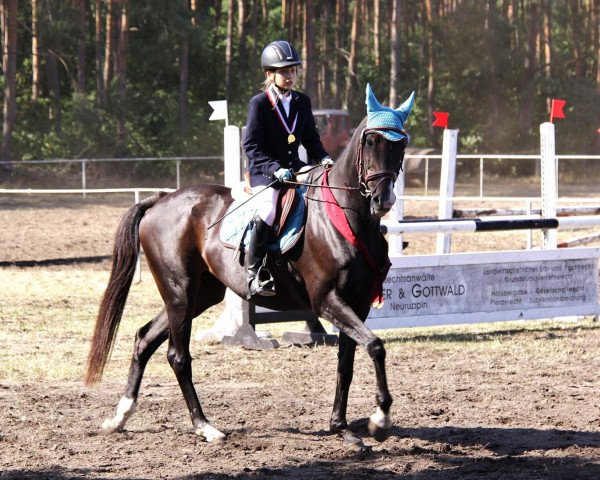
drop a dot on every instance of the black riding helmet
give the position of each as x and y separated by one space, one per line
279 54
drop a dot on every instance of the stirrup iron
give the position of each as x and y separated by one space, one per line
262 284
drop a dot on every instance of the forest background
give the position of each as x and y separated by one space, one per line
129 78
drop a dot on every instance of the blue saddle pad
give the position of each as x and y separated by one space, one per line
235 225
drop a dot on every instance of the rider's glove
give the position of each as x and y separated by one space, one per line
283 174
327 162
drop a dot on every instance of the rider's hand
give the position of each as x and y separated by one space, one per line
327 162
283 174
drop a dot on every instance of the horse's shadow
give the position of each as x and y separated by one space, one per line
510 441
479 453
499 441
504 441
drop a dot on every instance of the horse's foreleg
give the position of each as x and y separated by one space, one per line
379 422
343 317
147 340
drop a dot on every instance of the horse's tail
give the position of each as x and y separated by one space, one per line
125 253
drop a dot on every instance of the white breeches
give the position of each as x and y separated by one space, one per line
267 203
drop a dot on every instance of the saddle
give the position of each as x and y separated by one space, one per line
287 229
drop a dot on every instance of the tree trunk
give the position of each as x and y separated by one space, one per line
351 75
264 11
324 82
494 90
395 51
98 56
9 69
529 70
229 51
217 21
547 37
81 46
183 80
431 66
108 47
36 85
254 26
242 36
122 79
294 9
597 44
285 8
52 75
376 22
577 29
337 56
310 70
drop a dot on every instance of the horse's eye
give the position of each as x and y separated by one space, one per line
370 142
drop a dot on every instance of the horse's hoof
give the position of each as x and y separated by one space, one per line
379 434
352 442
379 425
209 433
108 427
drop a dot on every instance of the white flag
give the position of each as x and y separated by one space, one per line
220 110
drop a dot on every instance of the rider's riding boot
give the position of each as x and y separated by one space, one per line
260 280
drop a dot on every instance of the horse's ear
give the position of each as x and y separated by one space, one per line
405 109
372 104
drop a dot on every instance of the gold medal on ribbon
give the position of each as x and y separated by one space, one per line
291 138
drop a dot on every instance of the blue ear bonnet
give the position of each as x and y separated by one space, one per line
380 117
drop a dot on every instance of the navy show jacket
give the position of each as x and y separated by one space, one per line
266 139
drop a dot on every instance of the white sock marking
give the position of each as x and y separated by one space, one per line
125 409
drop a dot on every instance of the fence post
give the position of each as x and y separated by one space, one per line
447 181
83 177
481 176
549 180
426 176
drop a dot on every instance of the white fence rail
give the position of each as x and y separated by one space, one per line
85 161
426 170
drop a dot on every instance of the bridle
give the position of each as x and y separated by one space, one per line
363 176
381 175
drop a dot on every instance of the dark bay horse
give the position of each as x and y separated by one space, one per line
325 273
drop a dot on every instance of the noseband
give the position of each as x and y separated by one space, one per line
381 175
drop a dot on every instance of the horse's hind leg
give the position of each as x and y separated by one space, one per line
345 373
147 340
180 322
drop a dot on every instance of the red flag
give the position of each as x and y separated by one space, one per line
557 109
441 119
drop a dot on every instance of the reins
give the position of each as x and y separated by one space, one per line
363 177
362 183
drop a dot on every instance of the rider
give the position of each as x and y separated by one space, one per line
279 120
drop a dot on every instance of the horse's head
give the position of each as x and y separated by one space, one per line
381 151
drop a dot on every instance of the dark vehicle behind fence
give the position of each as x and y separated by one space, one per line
336 129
